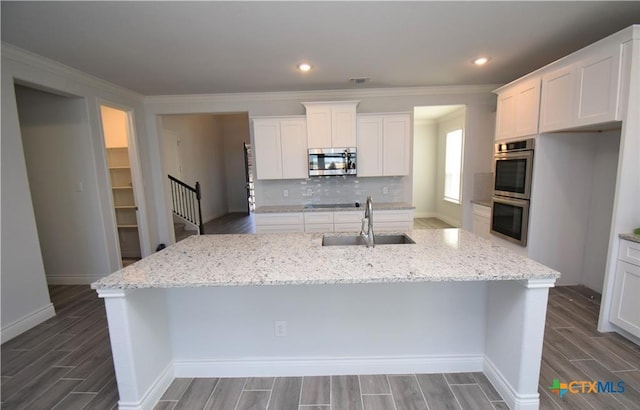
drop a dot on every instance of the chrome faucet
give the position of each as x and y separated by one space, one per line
368 215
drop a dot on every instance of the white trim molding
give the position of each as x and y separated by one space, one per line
319 366
514 400
27 322
153 394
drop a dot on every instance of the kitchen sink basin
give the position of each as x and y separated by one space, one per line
402 239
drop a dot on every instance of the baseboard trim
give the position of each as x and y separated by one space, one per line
153 394
73 279
322 366
514 400
27 322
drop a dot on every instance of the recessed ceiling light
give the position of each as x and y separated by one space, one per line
481 61
304 66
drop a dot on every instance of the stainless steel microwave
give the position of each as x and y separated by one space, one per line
332 161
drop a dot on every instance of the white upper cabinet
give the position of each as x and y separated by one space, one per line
384 145
331 124
518 109
583 93
280 148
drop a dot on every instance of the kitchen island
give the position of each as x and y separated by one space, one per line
276 305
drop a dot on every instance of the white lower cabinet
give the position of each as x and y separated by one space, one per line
625 306
318 221
279 222
482 221
395 220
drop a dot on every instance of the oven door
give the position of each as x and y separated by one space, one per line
510 219
513 174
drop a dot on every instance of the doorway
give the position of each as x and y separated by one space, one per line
116 130
62 177
438 141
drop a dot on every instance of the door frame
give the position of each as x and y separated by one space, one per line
136 175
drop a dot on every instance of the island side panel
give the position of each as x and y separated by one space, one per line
140 343
516 312
330 329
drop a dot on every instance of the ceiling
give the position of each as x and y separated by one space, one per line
166 48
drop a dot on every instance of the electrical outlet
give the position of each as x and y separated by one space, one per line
385 190
280 328
285 193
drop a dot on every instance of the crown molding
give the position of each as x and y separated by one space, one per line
321 95
36 61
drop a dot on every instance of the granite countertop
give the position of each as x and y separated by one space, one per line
383 206
483 202
630 237
297 259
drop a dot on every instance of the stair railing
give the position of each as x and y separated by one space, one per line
185 202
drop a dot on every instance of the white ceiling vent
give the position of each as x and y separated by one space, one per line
360 80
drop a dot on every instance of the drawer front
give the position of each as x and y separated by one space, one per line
629 252
286 218
318 217
348 217
482 211
348 226
392 216
399 226
318 228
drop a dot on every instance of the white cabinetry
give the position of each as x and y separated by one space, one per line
280 148
482 221
279 222
393 220
518 109
384 144
331 124
625 306
583 93
349 221
318 221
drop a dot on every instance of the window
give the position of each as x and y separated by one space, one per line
453 166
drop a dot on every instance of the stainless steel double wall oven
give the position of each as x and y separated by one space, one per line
513 167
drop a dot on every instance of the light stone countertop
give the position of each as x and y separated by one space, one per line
298 259
382 206
630 237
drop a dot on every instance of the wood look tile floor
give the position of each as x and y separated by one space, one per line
65 363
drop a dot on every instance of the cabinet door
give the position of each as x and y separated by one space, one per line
268 151
319 126
598 87
293 140
527 107
369 146
557 101
343 126
506 115
396 149
626 304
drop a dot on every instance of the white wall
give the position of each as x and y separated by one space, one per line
425 148
202 158
479 101
448 211
61 179
25 301
115 125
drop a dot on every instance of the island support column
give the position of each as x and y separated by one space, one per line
141 344
516 313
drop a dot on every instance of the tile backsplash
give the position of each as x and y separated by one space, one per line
329 190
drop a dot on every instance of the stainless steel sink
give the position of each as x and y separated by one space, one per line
331 240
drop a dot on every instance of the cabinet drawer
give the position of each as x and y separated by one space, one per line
396 226
629 252
482 211
348 227
348 217
318 217
393 216
286 218
318 228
